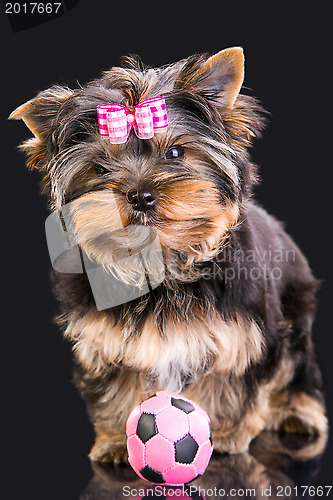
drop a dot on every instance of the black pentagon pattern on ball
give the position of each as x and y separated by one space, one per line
210 435
186 449
182 405
146 427
152 475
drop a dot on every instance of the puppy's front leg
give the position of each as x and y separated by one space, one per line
110 398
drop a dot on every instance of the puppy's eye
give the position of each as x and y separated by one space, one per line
175 153
101 170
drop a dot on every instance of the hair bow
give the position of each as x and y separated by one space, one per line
116 121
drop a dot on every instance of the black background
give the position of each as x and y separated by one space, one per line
287 67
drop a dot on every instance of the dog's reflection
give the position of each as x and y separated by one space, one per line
277 466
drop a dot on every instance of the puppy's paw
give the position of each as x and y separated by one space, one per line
302 414
295 425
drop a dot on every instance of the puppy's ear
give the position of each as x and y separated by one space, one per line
220 76
39 114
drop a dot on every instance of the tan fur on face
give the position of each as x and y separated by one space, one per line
192 219
99 224
94 214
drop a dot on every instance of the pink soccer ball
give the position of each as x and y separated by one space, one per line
169 439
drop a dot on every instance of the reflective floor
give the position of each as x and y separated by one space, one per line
276 467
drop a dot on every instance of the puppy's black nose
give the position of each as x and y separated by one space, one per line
141 200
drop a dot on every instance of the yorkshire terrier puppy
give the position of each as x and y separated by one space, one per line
226 320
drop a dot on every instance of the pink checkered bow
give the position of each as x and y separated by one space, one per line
116 121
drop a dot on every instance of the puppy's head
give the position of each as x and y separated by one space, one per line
187 184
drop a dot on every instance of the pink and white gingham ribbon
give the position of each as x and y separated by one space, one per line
116 121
